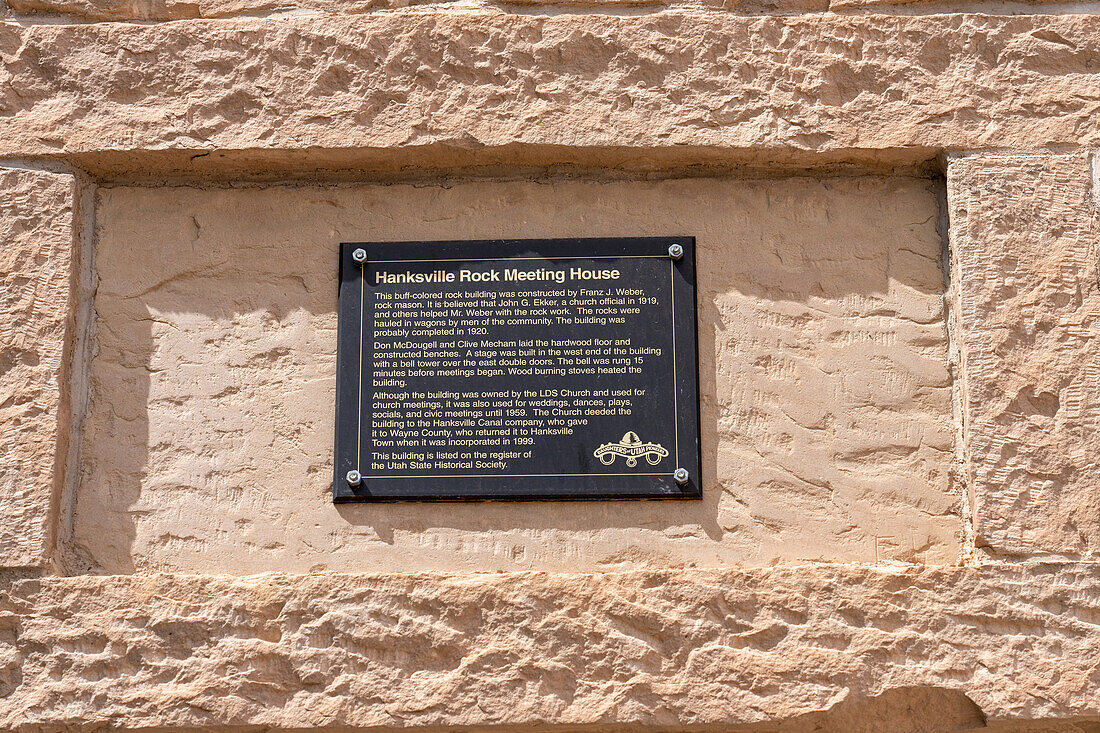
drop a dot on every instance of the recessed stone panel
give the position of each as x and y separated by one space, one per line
826 401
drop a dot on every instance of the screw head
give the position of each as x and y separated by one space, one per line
676 251
681 476
353 477
359 255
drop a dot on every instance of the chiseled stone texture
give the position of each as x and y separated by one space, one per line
826 399
941 6
36 239
1024 233
661 81
122 10
650 648
143 10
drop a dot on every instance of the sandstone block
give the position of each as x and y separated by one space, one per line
114 10
1024 235
920 6
36 232
698 85
649 649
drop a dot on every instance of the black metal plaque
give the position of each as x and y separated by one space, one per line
517 369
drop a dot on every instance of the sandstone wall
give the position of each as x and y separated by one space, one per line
896 205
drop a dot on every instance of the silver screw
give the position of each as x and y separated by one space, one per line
681 476
359 255
675 251
353 478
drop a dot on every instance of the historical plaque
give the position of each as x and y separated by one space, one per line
517 369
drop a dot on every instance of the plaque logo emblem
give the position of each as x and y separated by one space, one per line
631 448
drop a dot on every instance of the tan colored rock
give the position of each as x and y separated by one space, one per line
36 232
826 401
811 590
951 6
897 710
646 649
116 10
1088 724
1024 235
113 10
701 86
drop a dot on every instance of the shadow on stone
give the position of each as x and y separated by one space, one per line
900 710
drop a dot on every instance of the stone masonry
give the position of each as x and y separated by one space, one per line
897 212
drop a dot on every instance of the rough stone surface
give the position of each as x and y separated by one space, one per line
121 10
668 81
958 6
826 400
145 10
898 710
826 394
36 239
645 648
1090 724
1024 233
113 10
